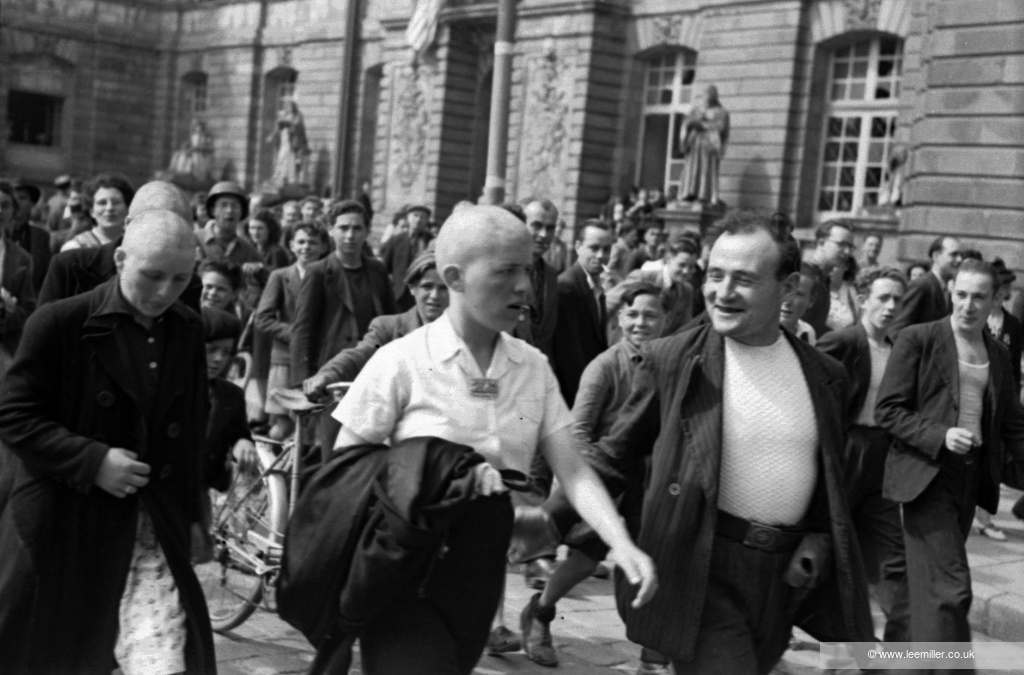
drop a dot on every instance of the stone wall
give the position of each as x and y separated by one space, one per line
967 164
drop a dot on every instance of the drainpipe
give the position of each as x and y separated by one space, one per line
497 141
348 92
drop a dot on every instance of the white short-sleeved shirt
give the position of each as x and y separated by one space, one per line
420 385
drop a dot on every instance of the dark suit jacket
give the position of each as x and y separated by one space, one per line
69 397
919 400
277 309
579 333
544 340
1012 336
850 347
346 364
674 415
816 313
83 269
925 300
325 320
36 242
17 280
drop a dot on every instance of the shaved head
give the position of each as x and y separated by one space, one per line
155 261
158 195
484 257
161 230
473 232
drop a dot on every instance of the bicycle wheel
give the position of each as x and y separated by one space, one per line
248 528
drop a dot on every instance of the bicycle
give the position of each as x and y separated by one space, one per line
249 519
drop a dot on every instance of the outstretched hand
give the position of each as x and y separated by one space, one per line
639 570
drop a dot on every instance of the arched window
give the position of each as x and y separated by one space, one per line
667 92
860 123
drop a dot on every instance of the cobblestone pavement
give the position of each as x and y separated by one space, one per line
590 638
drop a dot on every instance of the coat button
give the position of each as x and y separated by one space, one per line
173 430
165 472
105 399
675 490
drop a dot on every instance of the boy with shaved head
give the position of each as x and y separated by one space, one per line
463 379
102 418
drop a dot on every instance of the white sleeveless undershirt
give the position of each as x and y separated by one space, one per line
973 381
769 435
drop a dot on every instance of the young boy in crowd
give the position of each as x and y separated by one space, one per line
462 378
796 303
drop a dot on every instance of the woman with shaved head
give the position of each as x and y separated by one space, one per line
462 378
102 420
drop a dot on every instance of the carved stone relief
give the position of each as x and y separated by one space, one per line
668 29
861 14
411 87
545 140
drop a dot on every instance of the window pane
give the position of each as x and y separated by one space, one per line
845 202
838 92
870 198
887 46
873 178
882 91
688 76
831 152
841 70
828 176
884 68
666 96
876 152
33 119
847 177
862 48
853 127
826 201
849 152
835 126
880 127
860 68
856 91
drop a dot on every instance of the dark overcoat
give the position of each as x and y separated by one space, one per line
66 544
675 415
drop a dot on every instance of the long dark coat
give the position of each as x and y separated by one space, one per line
675 415
66 544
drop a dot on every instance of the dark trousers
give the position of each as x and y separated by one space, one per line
747 617
442 630
935 527
878 526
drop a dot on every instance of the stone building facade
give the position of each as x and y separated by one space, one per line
826 97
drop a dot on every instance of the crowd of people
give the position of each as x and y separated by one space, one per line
784 432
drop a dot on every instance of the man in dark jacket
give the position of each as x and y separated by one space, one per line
102 418
35 240
864 350
338 299
539 329
927 298
400 250
744 425
949 401
582 324
833 247
80 270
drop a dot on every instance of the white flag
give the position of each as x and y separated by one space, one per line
423 24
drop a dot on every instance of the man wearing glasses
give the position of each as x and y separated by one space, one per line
833 247
338 299
927 298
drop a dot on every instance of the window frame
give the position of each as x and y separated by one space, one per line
686 61
864 109
56 127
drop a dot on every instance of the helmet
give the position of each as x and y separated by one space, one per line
227 188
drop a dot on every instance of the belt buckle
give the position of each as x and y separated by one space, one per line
761 537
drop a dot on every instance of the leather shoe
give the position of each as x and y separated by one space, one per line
535 624
538 572
501 641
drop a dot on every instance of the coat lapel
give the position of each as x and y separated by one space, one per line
947 361
702 376
112 353
583 287
334 279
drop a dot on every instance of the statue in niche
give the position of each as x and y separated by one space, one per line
292 163
195 159
704 138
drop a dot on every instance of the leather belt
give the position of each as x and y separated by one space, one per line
756 535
